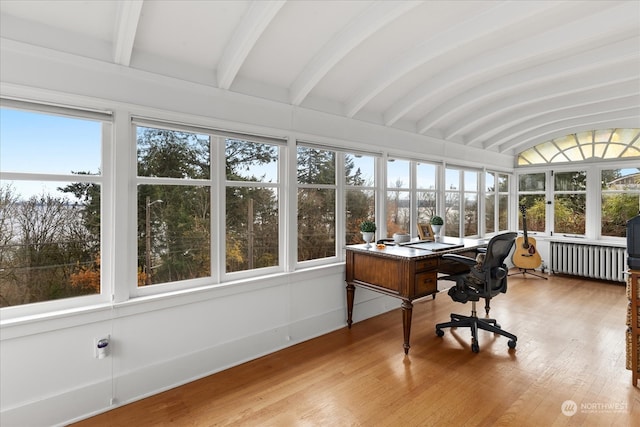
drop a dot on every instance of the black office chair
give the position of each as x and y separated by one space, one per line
484 280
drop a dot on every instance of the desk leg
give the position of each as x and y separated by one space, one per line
350 292
407 310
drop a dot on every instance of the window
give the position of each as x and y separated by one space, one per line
51 191
316 203
174 203
360 190
620 199
398 198
461 202
589 145
176 181
570 202
593 200
496 202
426 174
252 204
532 198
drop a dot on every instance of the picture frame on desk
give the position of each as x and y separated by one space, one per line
425 231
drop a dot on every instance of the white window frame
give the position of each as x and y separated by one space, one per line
106 202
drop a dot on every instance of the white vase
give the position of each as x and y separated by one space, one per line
368 237
436 231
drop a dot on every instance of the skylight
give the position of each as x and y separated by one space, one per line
594 144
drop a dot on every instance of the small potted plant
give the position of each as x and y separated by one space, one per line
436 224
368 229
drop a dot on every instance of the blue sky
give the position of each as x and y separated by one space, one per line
47 144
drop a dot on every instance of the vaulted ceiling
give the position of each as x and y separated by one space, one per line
498 75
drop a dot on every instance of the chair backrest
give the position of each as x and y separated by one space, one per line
494 271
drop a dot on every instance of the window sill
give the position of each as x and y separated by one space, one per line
55 320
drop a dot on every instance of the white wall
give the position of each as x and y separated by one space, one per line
49 375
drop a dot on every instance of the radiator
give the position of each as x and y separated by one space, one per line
594 261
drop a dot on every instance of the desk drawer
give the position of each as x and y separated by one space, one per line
426 264
426 283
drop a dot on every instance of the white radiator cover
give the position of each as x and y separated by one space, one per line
588 260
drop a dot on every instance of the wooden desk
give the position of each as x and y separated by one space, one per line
402 272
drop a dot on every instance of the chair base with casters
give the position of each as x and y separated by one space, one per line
486 278
475 323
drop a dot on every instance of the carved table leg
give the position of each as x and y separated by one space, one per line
407 310
350 292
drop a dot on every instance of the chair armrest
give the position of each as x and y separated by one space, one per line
460 258
499 273
481 250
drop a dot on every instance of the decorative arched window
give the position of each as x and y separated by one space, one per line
593 144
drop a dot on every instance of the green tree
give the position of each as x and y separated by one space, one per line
46 243
316 206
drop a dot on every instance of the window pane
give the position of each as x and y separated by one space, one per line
470 181
359 170
503 218
452 179
532 182
50 233
503 183
470 214
43 143
620 199
250 161
490 212
252 228
398 212
316 166
617 209
316 223
426 176
452 216
599 144
173 154
49 241
621 179
490 184
426 205
398 173
569 213
570 181
535 208
360 205
173 233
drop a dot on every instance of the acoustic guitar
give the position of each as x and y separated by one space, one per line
526 257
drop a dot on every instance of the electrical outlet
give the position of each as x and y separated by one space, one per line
101 347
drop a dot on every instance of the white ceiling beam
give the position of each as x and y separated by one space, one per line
599 60
371 20
589 110
629 117
126 27
493 111
551 44
254 22
465 32
521 120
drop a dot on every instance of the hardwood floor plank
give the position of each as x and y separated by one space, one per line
571 346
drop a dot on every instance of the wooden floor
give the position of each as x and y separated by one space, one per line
571 347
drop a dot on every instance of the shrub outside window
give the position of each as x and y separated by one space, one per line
620 199
532 196
570 202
